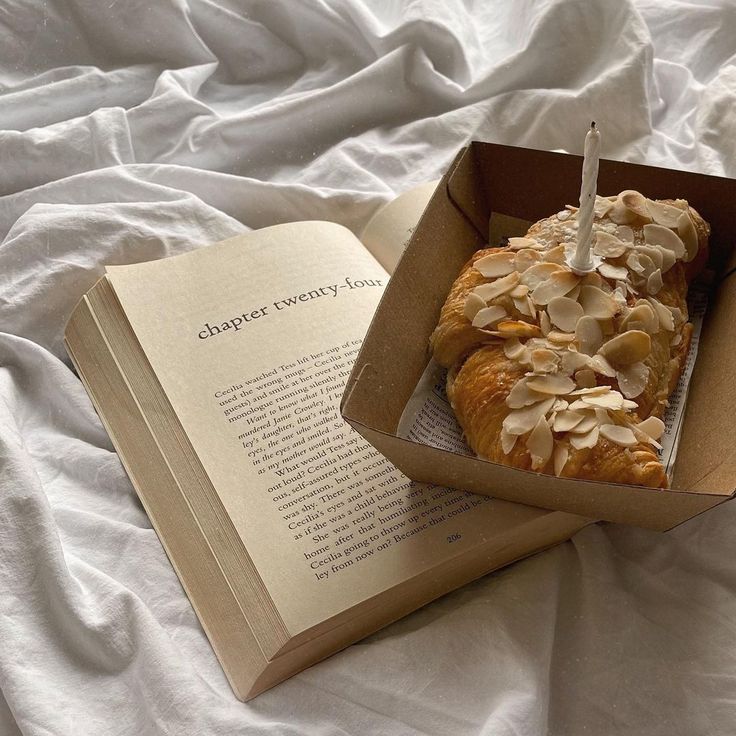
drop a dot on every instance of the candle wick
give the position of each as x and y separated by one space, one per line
592 125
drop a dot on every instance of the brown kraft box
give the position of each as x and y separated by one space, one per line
527 184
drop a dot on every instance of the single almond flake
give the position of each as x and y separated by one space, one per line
585 378
565 420
619 435
668 259
652 426
689 235
539 273
496 288
591 391
632 379
513 349
507 441
560 338
596 303
627 348
559 405
554 384
561 455
519 291
642 314
589 421
654 282
555 255
526 258
608 245
592 279
545 324
558 284
516 328
587 440
602 416
489 316
611 400
522 395
625 233
521 421
664 315
634 263
602 207
613 272
473 305
520 243
563 215
544 360
572 361
540 444
663 214
564 312
523 306
669 239
600 365
496 264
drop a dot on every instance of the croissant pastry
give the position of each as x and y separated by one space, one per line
567 374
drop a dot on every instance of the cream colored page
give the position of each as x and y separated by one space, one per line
252 341
391 227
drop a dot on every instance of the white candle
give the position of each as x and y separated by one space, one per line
582 260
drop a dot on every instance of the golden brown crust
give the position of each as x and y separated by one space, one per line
480 375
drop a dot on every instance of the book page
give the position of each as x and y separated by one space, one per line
252 341
391 227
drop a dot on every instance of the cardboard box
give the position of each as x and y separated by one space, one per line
528 184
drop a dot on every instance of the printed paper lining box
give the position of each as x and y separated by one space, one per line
524 184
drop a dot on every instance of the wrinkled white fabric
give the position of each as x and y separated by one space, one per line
133 130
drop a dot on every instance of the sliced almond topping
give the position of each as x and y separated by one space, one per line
585 378
562 215
496 264
591 391
629 207
600 365
632 379
602 206
545 361
520 243
668 259
655 253
625 233
608 245
654 282
588 422
642 314
634 263
652 427
538 273
540 444
515 328
489 316
513 349
565 420
583 441
592 279
572 361
564 312
660 235
522 395
557 284
666 320
596 303
555 384
507 441
519 291
559 405
602 416
689 235
545 323
663 214
619 435
609 400
561 454
526 258
611 271
473 305
524 306
497 287
627 348
521 421
555 255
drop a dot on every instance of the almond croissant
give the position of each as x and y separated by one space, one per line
567 374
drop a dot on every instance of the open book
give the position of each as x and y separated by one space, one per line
218 374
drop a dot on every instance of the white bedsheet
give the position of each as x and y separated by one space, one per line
135 130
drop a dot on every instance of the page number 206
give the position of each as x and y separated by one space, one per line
454 538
